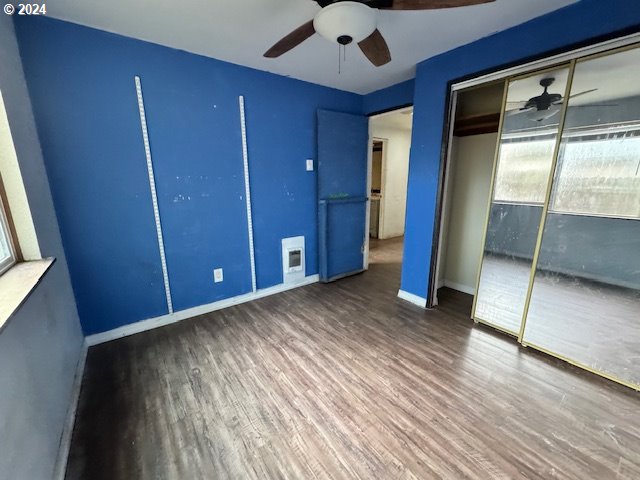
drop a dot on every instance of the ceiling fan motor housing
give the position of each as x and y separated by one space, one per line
346 22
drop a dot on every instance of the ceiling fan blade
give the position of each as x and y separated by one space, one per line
292 40
375 48
510 113
433 4
583 93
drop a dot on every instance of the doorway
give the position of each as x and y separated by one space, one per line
377 153
389 151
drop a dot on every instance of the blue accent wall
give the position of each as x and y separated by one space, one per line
398 95
563 29
81 82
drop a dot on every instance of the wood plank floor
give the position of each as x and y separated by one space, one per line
346 381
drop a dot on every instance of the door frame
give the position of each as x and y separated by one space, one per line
442 206
367 215
447 133
385 141
383 165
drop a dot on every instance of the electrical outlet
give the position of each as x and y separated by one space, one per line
218 275
309 165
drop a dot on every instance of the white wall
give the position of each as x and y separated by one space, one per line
395 173
42 343
472 162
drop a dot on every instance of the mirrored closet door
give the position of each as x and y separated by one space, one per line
585 298
560 267
521 174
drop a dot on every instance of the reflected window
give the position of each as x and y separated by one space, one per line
523 171
599 174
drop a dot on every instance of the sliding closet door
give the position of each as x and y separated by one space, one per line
585 299
524 159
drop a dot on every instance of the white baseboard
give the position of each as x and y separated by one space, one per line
460 287
415 299
151 323
67 431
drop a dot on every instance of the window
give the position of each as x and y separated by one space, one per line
7 252
599 174
18 240
523 170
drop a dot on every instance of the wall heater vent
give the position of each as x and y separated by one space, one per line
293 259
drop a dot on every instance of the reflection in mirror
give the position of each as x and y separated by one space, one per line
527 144
585 302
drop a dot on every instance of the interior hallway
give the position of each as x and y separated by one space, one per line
344 380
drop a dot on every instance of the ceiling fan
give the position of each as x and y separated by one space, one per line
546 105
345 22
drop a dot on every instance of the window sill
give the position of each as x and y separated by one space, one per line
17 284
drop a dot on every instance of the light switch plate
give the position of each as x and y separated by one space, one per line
218 275
309 165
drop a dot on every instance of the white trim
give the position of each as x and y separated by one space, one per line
367 215
151 323
415 299
154 195
247 192
460 287
445 200
67 431
549 61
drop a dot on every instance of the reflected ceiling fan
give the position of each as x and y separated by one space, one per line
546 105
346 22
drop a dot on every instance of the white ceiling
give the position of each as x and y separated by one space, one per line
240 31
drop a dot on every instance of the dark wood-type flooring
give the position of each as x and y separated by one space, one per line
346 381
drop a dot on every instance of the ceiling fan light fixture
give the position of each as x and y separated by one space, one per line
342 21
542 115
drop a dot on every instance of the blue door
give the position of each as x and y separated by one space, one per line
342 193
